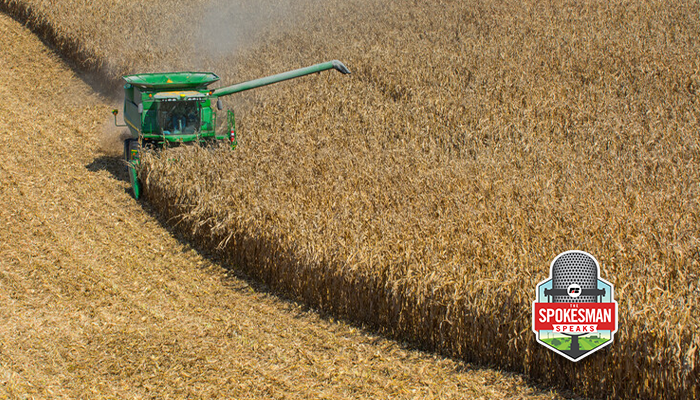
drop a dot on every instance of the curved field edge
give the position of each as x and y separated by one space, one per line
481 321
502 338
72 50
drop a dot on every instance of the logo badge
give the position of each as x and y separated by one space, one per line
575 312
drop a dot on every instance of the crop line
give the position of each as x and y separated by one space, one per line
71 49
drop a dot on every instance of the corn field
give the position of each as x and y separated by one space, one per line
426 194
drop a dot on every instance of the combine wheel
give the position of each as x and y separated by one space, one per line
135 184
131 154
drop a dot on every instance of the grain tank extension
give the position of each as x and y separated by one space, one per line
162 109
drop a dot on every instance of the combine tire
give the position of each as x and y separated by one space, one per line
135 184
131 154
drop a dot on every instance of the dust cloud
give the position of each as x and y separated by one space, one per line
110 138
228 27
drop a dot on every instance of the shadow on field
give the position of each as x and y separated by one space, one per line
112 164
238 280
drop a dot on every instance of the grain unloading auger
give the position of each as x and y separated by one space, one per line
162 109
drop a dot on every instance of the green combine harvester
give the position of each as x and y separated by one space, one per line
168 109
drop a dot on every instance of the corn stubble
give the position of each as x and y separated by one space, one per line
427 194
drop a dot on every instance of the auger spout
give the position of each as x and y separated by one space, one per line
268 80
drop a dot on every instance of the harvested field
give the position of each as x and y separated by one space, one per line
427 194
99 300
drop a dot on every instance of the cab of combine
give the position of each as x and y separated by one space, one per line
170 107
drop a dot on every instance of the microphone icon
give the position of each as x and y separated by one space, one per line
574 280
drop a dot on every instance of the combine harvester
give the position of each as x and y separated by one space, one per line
166 109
